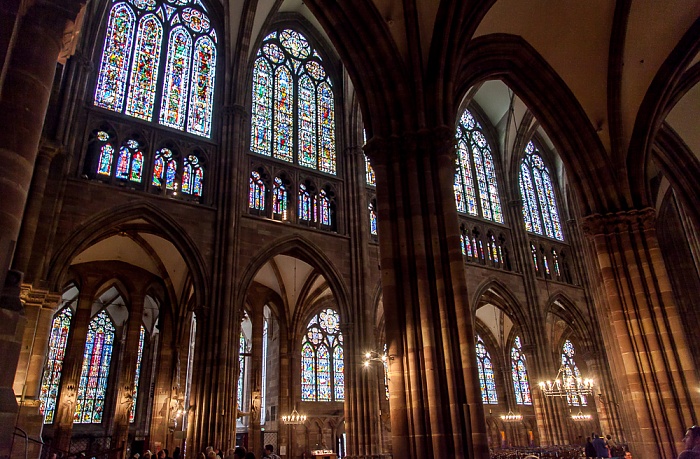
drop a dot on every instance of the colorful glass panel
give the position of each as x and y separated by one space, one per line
322 362
97 357
198 186
279 199
263 385
533 250
53 370
116 56
104 165
385 362
123 163
555 262
256 195
307 122
284 121
242 349
177 79
202 90
164 169
326 113
137 375
372 220
369 173
572 374
304 199
487 379
539 202
261 122
476 173
144 69
323 207
136 167
521 383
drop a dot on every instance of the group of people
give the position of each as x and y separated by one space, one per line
162 454
604 447
238 453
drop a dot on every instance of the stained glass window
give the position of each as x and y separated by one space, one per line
372 218
572 374
521 383
487 379
323 207
369 173
164 169
51 379
279 199
385 361
256 193
130 69
475 187
263 386
533 250
293 108
555 262
493 249
97 357
544 261
192 176
242 351
322 362
137 376
130 162
539 203
305 204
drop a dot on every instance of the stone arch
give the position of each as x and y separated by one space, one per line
108 222
669 85
513 60
507 303
559 305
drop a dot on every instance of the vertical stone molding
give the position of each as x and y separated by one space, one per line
23 103
435 397
657 375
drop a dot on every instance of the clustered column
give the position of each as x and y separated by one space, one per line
436 408
657 373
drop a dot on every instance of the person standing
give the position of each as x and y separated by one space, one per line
589 449
270 452
692 443
601 449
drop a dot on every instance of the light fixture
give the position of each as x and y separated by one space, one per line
511 417
566 386
294 418
374 356
581 417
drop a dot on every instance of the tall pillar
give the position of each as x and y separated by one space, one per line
127 372
436 408
656 375
23 102
72 366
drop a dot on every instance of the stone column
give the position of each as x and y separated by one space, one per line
656 375
23 102
30 220
256 382
436 408
72 366
127 372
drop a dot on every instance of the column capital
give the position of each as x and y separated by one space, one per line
627 220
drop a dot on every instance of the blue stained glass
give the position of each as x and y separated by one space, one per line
385 361
533 250
123 163
487 379
51 379
256 194
261 121
521 383
322 363
539 202
104 166
164 164
136 167
476 173
326 114
95 371
304 198
369 173
284 122
242 348
137 375
279 199
372 220
323 207
202 90
555 262
198 186
170 174
191 171
144 70
571 374
307 122
177 79
116 55
545 263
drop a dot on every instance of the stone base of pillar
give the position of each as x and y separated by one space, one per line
31 421
12 325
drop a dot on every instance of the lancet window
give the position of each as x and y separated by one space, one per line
571 373
476 186
487 380
540 211
322 362
293 110
521 383
94 375
51 379
137 375
140 36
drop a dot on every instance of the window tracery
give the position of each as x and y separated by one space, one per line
51 379
571 371
521 383
487 379
540 211
129 73
322 361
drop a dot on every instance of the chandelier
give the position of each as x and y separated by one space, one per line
581 417
294 418
374 356
565 386
510 417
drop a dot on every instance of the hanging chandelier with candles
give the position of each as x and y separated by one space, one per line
581 417
511 417
294 418
568 385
